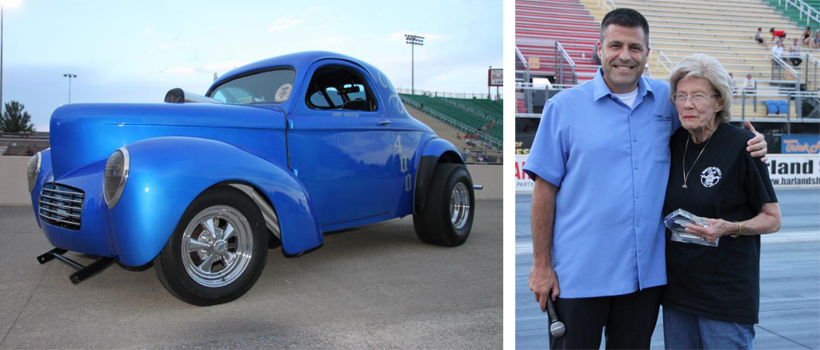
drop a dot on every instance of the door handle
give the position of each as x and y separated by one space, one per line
384 122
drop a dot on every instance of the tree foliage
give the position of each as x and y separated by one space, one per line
14 119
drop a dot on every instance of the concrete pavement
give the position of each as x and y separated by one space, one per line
373 287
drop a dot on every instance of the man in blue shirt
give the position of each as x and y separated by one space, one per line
600 161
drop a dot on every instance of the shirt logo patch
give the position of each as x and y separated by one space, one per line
710 176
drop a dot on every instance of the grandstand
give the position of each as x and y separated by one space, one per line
469 116
23 144
724 29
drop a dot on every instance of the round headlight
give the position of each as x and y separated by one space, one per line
33 170
116 175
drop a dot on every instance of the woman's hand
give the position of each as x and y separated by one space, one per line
716 229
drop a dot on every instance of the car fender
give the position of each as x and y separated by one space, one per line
433 152
167 173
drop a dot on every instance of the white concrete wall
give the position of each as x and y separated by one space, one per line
13 184
14 188
491 176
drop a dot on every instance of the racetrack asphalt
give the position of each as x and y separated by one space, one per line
374 287
789 279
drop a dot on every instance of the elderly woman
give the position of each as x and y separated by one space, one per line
712 297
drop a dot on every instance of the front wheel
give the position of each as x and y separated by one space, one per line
447 216
217 251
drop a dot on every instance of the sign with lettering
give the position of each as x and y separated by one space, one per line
794 170
523 182
785 171
495 77
800 144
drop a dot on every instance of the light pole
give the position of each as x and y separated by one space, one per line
413 40
3 4
2 41
69 76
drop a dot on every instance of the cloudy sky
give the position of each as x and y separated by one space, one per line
135 51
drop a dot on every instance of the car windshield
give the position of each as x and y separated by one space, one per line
273 86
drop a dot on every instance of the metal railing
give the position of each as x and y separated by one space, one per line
794 98
564 62
606 5
664 61
461 95
492 141
811 67
804 8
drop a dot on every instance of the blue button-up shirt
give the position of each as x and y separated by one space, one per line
611 164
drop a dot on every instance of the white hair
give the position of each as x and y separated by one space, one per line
705 67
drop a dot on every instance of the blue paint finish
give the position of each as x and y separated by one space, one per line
354 167
162 184
437 147
94 236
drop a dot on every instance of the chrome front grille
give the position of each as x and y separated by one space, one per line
61 205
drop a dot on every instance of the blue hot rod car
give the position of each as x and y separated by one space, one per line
276 153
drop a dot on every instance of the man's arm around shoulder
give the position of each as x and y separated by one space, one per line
543 280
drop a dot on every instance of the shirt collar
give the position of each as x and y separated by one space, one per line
599 88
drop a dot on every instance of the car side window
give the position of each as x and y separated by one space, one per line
336 87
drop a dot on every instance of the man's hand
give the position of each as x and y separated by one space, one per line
717 228
756 145
543 282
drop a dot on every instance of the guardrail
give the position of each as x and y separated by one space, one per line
606 5
467 129
562 56
461 95
664 61
743 97
811 68
804 8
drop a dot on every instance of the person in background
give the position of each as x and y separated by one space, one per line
759 37
816 39
749 84
777 50
777 34
734 83
712 297
807 36
794 54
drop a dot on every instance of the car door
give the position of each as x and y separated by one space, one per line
341 147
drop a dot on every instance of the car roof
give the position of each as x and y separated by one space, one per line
300 61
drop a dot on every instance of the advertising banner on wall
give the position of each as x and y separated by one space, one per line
800 144
785 171
523 182
794 170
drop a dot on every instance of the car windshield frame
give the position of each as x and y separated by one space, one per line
252 83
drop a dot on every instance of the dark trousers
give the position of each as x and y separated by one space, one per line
628 320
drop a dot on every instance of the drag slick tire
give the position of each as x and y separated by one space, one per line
447 216
217 251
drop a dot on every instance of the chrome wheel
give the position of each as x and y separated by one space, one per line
217 246
459 205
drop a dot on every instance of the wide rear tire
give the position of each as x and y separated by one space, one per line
447 216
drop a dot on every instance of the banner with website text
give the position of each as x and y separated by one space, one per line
785 171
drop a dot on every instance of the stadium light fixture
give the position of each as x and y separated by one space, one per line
413 41
69 76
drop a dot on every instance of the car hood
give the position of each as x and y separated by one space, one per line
85 133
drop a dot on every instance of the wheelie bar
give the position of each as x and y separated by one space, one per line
83 272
